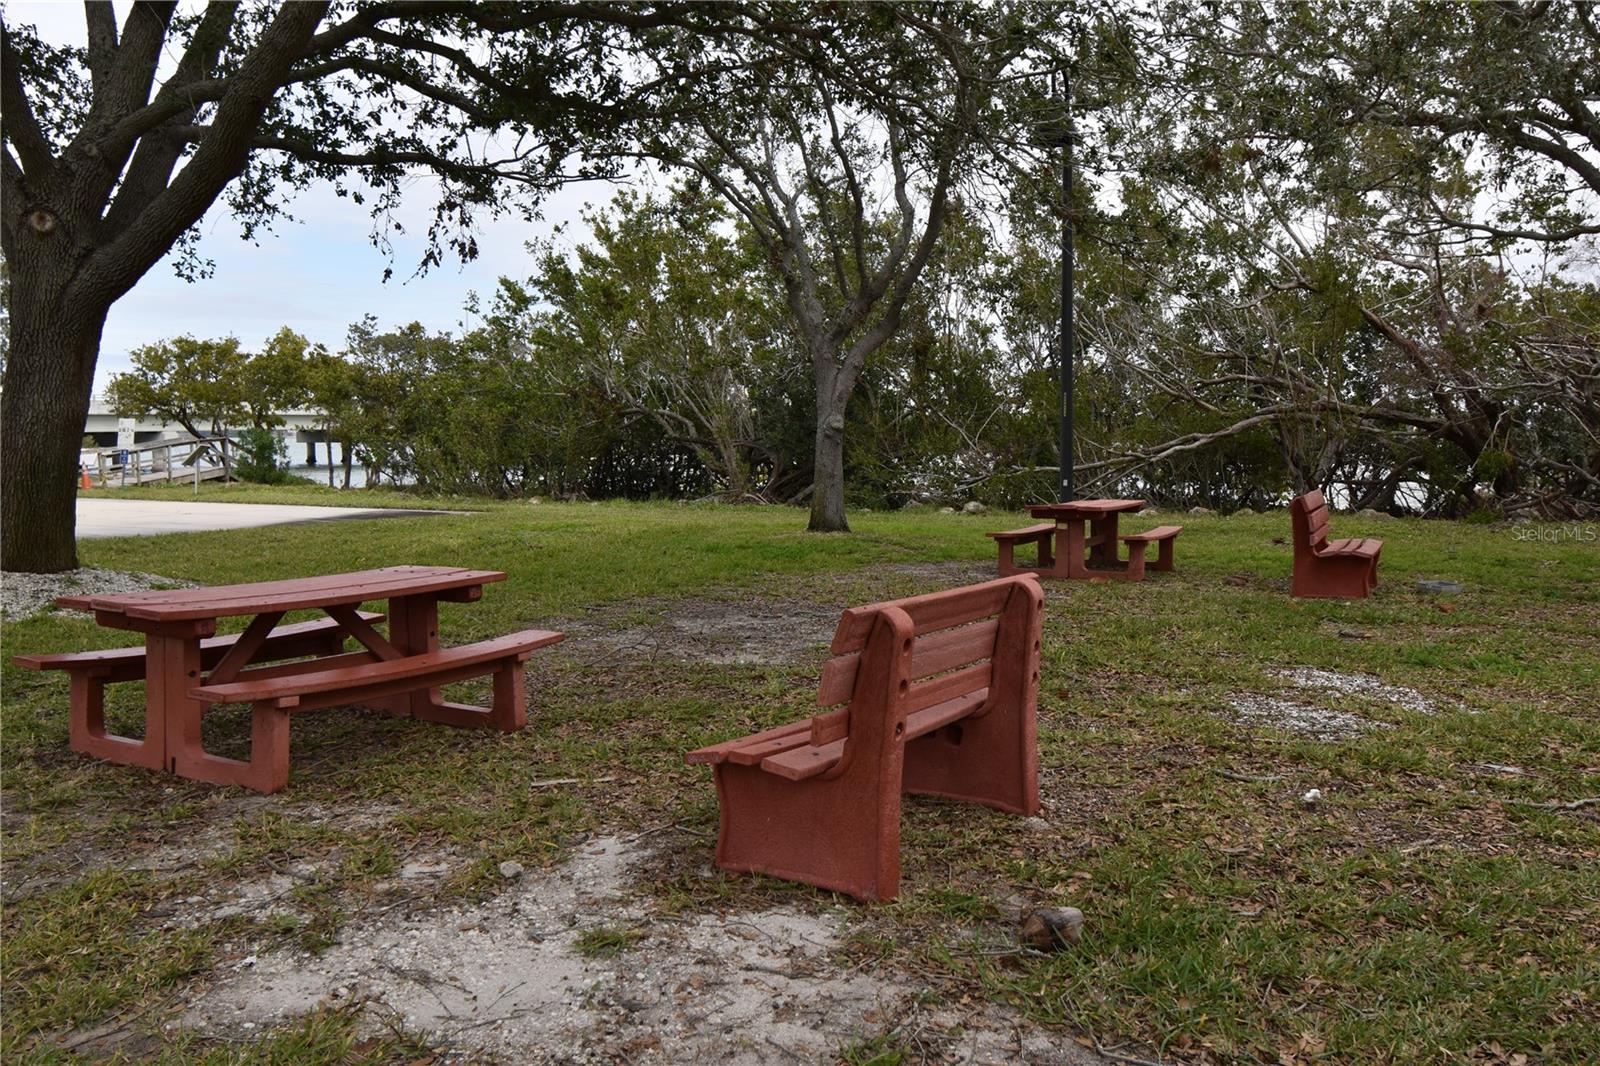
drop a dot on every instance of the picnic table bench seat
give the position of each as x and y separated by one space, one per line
358 678
1165 537
91 671
1329 569
939 692
1042 534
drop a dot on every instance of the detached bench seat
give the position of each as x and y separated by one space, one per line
91 671
1042 534
1329 569
360 678
940 694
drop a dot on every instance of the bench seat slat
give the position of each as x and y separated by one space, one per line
716 753
1037 532
753 754
1351 546
363 677
211 648
806 760
1149 535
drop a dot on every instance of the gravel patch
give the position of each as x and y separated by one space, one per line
1319 723
1310 677
22 595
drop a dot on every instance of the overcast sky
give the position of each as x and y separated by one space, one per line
316 274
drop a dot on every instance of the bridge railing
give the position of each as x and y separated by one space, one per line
202 458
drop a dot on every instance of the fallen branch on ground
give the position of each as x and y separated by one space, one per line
1262 778
1558 806
552 782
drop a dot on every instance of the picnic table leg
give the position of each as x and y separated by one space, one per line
414 629
1069 549
172 665
1105 552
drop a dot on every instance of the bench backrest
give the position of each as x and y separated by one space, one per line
955 637
1309 514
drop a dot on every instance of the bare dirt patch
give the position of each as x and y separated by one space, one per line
723 632
570 966
741 628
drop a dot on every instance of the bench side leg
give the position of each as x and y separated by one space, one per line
509 712
86 728
1166 553
840 832
269 749
1135 570
1008 564
267 769
993 758
1334 578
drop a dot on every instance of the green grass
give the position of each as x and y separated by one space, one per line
1428 910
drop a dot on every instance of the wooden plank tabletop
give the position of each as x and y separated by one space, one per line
1084 508
223 601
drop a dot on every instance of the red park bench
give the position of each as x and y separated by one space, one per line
1337 569
940 694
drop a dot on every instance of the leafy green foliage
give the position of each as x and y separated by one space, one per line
263 457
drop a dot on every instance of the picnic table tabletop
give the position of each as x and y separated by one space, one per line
259 597
1084 508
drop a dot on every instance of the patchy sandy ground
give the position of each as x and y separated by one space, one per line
1322 720
752 630
508 980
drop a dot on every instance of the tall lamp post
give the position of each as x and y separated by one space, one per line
1068 488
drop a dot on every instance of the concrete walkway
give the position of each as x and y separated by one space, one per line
143 518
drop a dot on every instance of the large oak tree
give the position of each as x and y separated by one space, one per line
114 151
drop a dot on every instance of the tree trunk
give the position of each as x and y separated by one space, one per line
827 497
49 378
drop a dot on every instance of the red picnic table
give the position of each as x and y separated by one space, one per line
186 667
1066 528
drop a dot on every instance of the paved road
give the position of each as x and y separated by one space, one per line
99 517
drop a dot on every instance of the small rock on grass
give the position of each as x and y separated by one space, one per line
973 507
1036 824
1052 928
510 870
